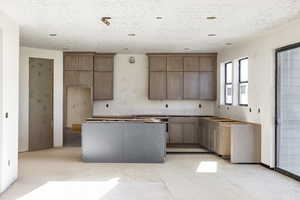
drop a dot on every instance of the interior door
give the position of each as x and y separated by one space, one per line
288 111
40 103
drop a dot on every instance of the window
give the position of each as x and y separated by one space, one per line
243 82
228 83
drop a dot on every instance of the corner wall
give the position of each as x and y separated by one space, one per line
9 101
131 93
261 54
57 56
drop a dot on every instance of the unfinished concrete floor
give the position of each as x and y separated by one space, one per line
59 174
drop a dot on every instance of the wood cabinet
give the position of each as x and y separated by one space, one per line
182 76
103 76
183 130
174 85
157 63
157 82
103 85
207 85
78 78
208 63
103 63
190 135
191 85
175 63
78 61
175 133
191 63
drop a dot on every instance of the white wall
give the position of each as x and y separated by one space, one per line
131 93
261 53
9 100
57 56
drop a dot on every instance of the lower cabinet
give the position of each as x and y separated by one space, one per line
175 133
190 135
183 130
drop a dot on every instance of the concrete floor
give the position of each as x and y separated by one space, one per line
59 174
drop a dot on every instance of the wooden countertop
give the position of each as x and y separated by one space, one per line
107 119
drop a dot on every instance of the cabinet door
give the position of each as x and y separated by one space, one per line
207 85
78 62
103 85
176 133
157 85
208 63
174 85
157 63
191 85
190 135
76 78
191 63
103 63
175 63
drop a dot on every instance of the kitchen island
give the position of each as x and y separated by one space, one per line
124 140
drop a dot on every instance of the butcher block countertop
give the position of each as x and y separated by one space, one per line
143 120
136 118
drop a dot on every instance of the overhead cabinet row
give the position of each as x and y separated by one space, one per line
90 70
186 62
182 77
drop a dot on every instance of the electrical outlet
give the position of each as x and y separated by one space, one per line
6 115
107 105
8 162
200 106
167 105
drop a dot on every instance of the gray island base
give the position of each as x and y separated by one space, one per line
117 142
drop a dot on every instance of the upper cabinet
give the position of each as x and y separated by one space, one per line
103 63
157 63
191 64
175 63
78 61
103 76
208 85
182 76
91 70
158 90
208 63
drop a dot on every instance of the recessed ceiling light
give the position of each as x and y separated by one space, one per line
159 17
187 49
66 49
52 34
211 18
228 44
212 35
125 49
131 34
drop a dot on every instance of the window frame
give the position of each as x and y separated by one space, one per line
226 83
243 82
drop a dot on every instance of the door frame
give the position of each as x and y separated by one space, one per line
51 134
277 51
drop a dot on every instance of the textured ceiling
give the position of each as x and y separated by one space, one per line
184 25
